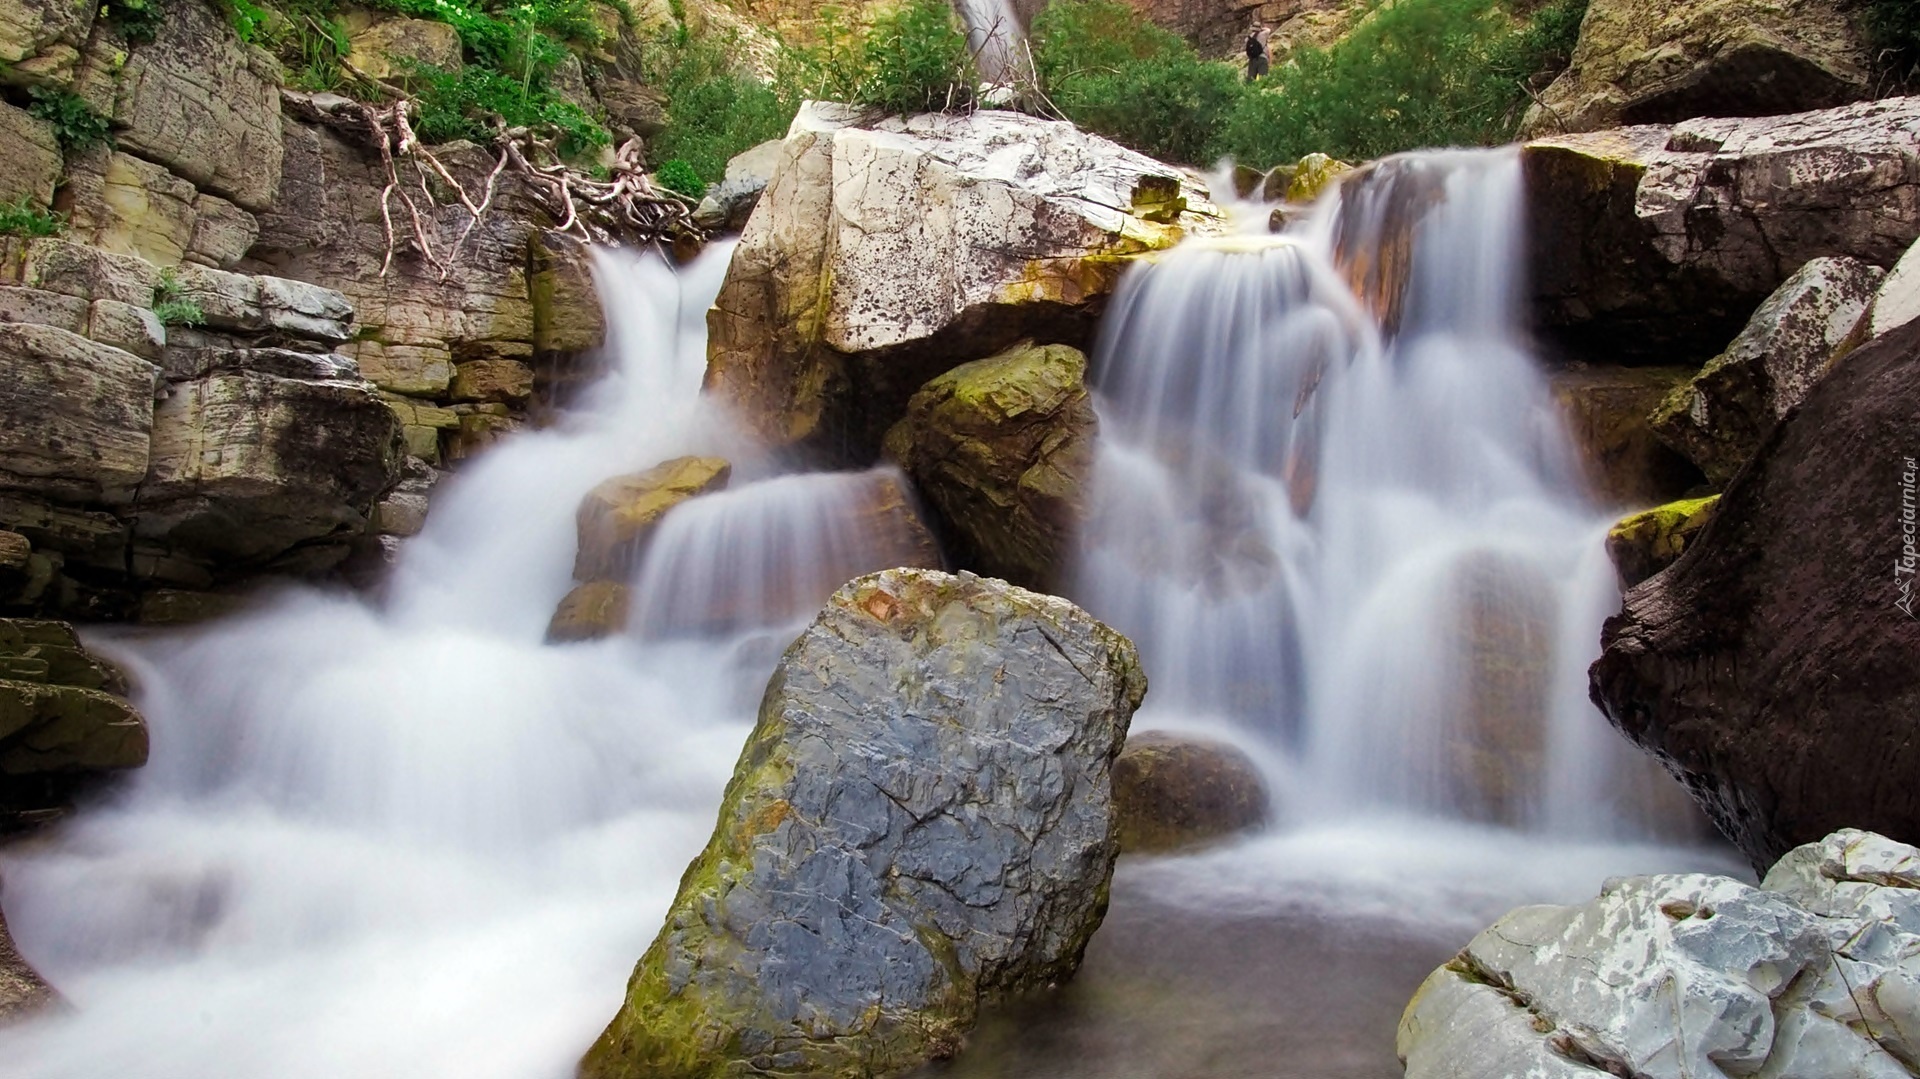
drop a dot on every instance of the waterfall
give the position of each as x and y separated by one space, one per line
997 42
1335 507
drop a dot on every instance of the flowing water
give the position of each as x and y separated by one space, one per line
404 837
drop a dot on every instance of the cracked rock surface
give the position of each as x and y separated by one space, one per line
921 823
1813 975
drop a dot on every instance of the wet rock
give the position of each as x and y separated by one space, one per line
1494 757
1690 975
1608 412
502 381
1771 669
32 165
1662 61
1173 791
1655 244
22 990
1645 543
591 611
845 296
1003 448
618 517
862 898
1719 417
76 415
63 718
403 511
1311 176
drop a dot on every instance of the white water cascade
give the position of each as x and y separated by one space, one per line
405 838
997 41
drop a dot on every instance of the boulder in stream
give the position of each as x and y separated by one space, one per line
618 517
1176 791
1816 973
921 823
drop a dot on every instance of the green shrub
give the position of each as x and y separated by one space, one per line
1544 46
22 218
139 20
74 122
1894 28
915 59
714 111
1114 73
1416 73
677 175
171 305
452 105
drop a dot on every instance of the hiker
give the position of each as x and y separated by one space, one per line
1258 61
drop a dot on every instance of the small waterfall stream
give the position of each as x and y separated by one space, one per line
404 837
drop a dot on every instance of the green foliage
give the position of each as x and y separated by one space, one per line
915 59
139 20
677 175
1119 75
252 23
1894 28
714 111
22 218
1543 47
74 122
452 105
172 306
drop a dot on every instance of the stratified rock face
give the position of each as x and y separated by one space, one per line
1607 412
1656 243
1771 668
77 415
1003 448
63 716
617 517
1692 977
1662 61
1720 416
921 823
32 164
1175 791
1647 542
848 290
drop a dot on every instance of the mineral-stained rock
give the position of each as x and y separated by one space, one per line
1661 61
1172 791
591 611
120 203
863 896
1494 759
1657 243
29 26
1718 418
75 415
205 105
247 466
1003 448
846 295
1771 668
1647 542
1690 976
1607 412
618 517
32 164
503 381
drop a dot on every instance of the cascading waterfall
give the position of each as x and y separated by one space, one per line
1335 508
405 837
997 42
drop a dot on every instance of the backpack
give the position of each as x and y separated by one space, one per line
1255 50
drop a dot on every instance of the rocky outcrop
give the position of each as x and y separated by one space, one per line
1218 28
617 517
1003 449
1172 792
1689 975
1655 244
1645 543
845 295
1771 668
22 990
64 719
1895 303
1719 417
861 899
590 612
729 203
32 164
1662 61
1608 412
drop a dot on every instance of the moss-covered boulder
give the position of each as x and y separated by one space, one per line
1719 417
887 250
1003 448
618 517
1645 543
920 824
1660 61
1173 791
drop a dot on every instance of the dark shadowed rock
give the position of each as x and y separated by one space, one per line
1721 414
1607 412
1645 543
1772 667
921 823
63 718
1172 791
1003 448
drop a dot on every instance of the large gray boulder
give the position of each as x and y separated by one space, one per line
1656 243
921 823
1719 417
1813 975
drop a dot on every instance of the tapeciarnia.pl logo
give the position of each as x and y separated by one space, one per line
1909 560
